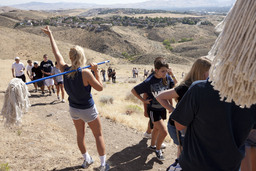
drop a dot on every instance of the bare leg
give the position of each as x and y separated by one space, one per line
154 136
97 132
58 89
62 90
149 130
80 132
162 133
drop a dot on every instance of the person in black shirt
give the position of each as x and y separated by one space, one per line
46 68
37 73
198 71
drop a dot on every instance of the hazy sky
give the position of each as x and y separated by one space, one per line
11 2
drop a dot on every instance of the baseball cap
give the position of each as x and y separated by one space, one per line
17 58
35 62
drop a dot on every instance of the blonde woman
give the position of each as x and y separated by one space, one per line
82 108
198 71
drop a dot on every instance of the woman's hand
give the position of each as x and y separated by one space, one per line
94 67
47 30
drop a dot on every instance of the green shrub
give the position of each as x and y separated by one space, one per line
4 167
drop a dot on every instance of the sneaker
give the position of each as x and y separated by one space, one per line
63 101
152 148
146 135
159 155
163 146
174 167
50 93
53 90
104 168
43 93
58 97
87 164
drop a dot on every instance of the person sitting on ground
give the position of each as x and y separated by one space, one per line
37 74
153 85
46 67
58 81
81 104
18 69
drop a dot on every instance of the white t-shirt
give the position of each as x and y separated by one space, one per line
29 69
18 68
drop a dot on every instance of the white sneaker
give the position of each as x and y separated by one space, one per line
63 101
163 146
87 164
146 135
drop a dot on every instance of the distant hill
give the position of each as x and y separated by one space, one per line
152 4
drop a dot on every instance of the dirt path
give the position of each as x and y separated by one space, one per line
47 141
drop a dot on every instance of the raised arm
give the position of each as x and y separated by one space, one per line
55 49
164 97
93 80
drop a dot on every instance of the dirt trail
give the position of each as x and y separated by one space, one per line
47 141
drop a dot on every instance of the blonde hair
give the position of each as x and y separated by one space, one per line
78 59
197 71
234 55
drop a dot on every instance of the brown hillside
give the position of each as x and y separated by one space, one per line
31 14
31 46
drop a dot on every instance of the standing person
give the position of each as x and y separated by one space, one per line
103 72
113 75
37 74
215 130
153 85
46 67
58 81
145 73
109 73
133 73
198 71
136 72
18 69
29 72
82 108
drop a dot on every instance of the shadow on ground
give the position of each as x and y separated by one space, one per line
54 102
133 158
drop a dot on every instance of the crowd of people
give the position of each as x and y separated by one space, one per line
35 71
211 134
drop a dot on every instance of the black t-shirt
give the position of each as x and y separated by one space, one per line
153 86
180 90
216 130
46 67
37 71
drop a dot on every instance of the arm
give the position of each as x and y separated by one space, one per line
172 76
165 96
139 97
13 73
179 126
55 49
89 78
145 105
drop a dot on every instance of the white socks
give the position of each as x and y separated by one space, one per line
87 157
103 160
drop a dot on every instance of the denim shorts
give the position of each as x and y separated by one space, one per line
87 115
173 134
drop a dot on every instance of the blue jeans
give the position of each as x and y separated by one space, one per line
173 134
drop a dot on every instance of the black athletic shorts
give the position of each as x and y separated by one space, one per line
155 116
22 77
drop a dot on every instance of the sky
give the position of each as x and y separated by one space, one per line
12 2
